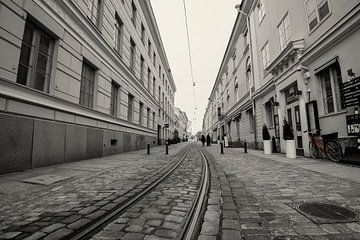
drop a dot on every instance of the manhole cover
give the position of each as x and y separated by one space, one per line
326 213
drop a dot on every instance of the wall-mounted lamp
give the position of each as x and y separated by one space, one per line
350 73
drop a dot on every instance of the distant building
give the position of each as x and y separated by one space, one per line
181 123
287 60
80 79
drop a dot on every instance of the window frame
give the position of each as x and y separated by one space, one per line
266 63
115 96
319 21
118 34
130 110
91 101
132 54
287 39
33 61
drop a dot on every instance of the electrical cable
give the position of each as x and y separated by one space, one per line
191 66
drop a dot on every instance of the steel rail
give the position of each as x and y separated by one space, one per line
95 227
195 216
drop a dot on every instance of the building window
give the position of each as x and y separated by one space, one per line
159 94
132 53
154 85
261 10
148 117
142 69
160 73
330 80
149 47
133 13
269 114
118 34
141 113
114 98
284 32
36 56
87 85
142 33
153 120
265 55
154 59
96 9
316 11
130 107
149 79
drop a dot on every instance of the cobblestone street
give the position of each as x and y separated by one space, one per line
94 186
255 190
251 196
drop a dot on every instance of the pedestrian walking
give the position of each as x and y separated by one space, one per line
203 140
208 140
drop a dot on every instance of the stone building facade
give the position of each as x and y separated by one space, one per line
80 79
300 54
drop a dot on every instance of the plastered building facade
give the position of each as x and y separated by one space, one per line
301 53
80 79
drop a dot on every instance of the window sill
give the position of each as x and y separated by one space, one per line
333 114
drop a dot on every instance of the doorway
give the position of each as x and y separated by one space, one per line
294 120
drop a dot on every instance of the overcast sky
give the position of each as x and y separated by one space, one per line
210 24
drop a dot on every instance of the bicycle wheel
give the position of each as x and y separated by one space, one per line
333 151
313 150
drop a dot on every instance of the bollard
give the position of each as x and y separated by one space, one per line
166 148
274 149
222 148
148 148
245 147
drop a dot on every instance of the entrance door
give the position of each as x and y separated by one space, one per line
293 117
312 116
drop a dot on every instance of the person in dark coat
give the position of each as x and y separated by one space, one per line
203 140
208 140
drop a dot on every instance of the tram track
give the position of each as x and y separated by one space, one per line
190 161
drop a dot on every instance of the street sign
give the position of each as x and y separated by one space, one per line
350 93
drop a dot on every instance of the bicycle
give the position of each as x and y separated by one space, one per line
327 144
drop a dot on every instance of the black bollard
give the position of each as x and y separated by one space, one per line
245 147
166 148
274 149
222 148
148 148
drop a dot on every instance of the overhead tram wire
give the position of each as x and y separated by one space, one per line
189 52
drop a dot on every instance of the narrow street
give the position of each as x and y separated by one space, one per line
251 196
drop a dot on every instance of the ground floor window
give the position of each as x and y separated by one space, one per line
330 81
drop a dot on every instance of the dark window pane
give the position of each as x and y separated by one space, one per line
313 23
25 54
39 81
44 44
22 74
28 34
324 10
42 62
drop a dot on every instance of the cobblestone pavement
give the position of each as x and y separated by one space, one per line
29 211
249 194
162 213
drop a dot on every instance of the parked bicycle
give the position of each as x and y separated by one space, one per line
327 144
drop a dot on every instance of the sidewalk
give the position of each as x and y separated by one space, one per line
74 189
324 166
269 190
